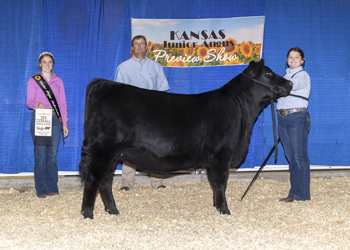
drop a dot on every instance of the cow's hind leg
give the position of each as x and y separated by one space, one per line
90 191
209 175
97 172
106 191
218 182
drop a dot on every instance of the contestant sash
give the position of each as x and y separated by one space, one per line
50 96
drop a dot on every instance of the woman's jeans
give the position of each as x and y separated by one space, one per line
45 168
293 130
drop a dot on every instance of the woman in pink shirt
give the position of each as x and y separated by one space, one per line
45 168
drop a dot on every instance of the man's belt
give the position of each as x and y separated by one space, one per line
285 112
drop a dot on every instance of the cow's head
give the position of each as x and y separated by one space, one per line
263 75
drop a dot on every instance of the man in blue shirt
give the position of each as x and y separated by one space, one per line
141 72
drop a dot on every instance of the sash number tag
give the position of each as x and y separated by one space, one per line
43 122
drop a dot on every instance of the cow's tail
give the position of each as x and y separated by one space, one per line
85 154
84 163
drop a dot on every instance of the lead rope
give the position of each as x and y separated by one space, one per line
274 128
269 155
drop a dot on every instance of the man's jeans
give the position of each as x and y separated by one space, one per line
293 130
45 168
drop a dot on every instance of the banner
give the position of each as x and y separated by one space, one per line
202 42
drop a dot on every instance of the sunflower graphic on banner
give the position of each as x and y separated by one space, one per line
202 42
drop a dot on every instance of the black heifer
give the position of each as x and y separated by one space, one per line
161 132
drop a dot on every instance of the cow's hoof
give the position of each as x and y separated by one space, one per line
228 213
112 211
87 214
224 211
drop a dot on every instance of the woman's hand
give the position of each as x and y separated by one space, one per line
65 131
41 106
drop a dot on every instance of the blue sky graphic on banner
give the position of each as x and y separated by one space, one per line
202 42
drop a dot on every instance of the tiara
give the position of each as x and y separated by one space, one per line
45 53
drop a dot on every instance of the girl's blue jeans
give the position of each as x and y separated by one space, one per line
45 168
293 130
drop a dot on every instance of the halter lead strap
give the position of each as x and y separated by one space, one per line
261 83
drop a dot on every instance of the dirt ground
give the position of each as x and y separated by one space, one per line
181 216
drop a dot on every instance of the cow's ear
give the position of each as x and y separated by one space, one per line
254 68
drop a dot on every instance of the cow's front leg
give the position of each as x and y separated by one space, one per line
220 203
217 176
107 194
89 197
